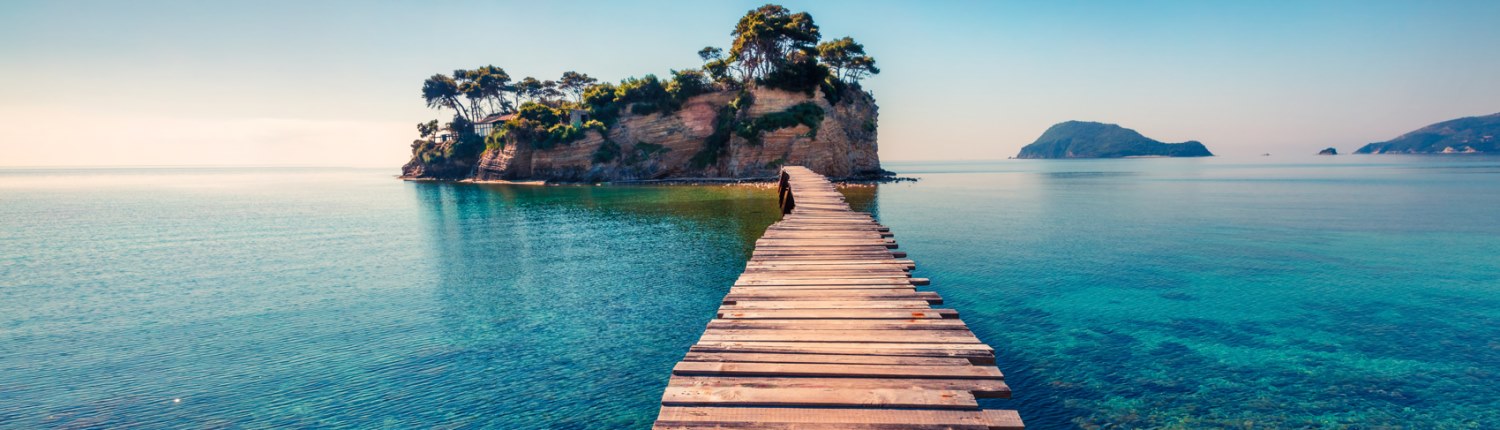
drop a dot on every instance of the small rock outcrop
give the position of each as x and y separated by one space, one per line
1082 139
1471 135
1329 151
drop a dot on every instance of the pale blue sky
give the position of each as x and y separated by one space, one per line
336 83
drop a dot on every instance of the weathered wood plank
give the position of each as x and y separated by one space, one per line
702 368
976 354
819 397
839 324
1001 420
750 357
825 304
982 388
848 335
899 314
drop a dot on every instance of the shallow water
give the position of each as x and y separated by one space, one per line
1260 293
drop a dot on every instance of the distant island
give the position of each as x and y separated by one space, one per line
1329 151
779 96
1471 135
1082 139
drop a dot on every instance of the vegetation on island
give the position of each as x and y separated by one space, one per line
772 47
1082 139
1470 135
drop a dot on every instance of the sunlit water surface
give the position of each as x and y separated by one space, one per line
1248 293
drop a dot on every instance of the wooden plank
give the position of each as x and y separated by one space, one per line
750 357
839 324
825 295
975 353
848 335
889 281
879 290
700 368
773 267
827 275
981 388
993 421
710 425
825 304
900 314
818 397
831 260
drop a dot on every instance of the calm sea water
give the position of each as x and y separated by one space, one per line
1352 291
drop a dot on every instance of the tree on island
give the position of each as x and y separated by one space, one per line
765 38
427 129
847 60
772 47
528 88
574 83
441 91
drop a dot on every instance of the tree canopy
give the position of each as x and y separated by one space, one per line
771 46
573 83
765 38
846 59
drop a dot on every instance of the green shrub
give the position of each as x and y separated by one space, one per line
600 95
644 151
805 76
524 130
607 152
688 83
562 133
834 90
496 139
742 101
540 113
600 102
648 89
643 108
806 113
468 146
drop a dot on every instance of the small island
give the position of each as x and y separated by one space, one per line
779 96
1471 135
1083 139
1329 151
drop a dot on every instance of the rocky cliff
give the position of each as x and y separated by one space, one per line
1082 139
727 134
1475 134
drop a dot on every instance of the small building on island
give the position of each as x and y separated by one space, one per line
486 125
577 117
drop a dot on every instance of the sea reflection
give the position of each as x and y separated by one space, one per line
553 298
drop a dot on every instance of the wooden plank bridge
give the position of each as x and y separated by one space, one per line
826 330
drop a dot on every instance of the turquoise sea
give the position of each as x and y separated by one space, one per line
1266 292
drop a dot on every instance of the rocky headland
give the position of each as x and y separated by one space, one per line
1471 135
1082 139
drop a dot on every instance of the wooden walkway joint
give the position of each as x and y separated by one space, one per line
825 330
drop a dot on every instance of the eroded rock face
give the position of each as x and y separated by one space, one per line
662 146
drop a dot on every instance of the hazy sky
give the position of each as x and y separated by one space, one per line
337 83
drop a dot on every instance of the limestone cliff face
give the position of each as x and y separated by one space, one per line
664 146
